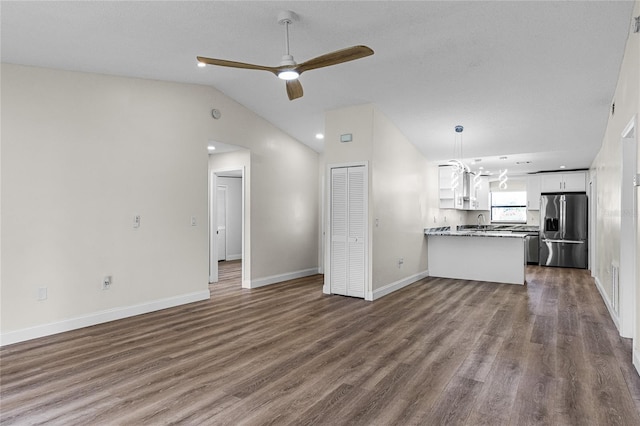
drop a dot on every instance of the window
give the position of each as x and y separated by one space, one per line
509 207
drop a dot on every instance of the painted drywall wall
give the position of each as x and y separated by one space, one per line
608 169
234 216
358 122
400 205
84 153
399 185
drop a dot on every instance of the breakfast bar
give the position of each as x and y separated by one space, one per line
492 256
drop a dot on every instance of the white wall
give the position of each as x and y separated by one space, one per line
83 153
234 216
400 205
608 171
399 201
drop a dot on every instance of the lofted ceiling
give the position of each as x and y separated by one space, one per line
532 81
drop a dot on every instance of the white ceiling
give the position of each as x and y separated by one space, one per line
532 81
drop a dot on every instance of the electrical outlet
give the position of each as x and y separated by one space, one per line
106 282
136 221
193 221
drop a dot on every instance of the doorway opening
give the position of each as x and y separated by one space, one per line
228 214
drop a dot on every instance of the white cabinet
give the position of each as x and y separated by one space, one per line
450 198
533 192
447 196
575 182
563 182
479 193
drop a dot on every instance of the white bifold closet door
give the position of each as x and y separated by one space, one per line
348 210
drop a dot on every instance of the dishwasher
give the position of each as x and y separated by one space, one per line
532 247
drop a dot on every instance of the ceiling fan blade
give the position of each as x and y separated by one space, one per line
334 58
294 89
234 64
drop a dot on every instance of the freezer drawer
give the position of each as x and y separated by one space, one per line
566 253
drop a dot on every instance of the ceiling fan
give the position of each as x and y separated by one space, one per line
288 69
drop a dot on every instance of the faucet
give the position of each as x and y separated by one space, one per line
480 219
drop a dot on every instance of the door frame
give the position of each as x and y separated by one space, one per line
213 241
326 288
628 273
226 211
593 222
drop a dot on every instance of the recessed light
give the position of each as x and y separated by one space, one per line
563 167
481 168
211 148
319 136
201 65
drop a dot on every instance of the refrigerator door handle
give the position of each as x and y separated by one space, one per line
563 241
563 216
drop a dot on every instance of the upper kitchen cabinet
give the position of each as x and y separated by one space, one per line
447 194
480 199
563 182
471 193
533 192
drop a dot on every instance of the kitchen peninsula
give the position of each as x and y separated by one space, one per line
477 255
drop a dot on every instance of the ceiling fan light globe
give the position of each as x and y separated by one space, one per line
288 75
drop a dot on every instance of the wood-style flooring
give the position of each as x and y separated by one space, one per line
437 352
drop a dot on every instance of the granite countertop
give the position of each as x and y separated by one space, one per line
477 232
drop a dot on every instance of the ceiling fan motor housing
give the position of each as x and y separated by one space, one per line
287 61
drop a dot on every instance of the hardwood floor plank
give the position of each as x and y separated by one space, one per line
615 407
535 402
497 397
455 403
479 362
544 330
437 351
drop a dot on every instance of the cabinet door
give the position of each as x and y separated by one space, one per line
574 182
484 197
533 192
551 182
444 185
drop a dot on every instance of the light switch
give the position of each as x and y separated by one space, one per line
42 293
136 221
193 221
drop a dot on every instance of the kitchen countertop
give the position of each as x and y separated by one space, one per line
474 232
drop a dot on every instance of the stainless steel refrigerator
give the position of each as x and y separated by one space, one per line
563 230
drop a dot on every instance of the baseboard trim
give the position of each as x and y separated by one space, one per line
274 279
233 257
607 303
636 359
99 318
394 286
